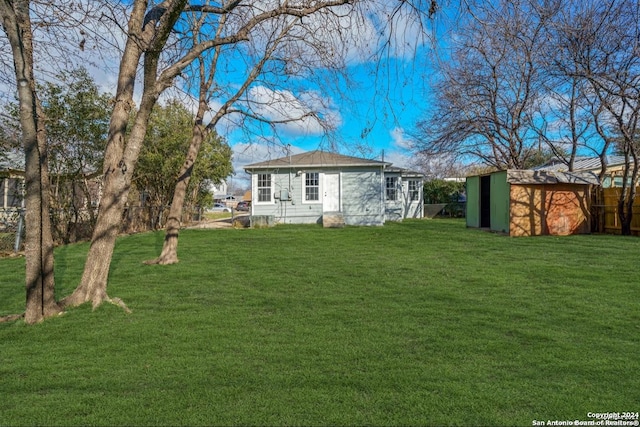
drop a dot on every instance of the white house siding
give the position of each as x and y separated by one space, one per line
362 201
292 211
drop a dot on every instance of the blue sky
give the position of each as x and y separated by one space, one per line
373 117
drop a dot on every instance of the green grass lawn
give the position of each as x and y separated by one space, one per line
419 323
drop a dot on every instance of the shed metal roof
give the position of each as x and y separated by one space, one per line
582 164
551 177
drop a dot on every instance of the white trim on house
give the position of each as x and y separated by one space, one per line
331 202
255 184
303 190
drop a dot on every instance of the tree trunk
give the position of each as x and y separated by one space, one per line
625 219
625 204
148 34
117 182
169 254
93 285
40 284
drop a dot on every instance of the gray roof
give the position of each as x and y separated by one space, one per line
581 164
315 159
551 177
404 172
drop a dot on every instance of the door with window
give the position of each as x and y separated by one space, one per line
331 192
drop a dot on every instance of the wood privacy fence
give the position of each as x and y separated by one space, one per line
604 211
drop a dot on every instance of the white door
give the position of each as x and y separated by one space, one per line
331 192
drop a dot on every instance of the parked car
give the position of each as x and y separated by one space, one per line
219 207
243 206
225 199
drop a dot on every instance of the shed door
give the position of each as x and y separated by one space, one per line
331 192
485 201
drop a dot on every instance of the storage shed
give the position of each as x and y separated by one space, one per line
531 203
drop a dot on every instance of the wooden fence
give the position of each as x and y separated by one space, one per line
604 210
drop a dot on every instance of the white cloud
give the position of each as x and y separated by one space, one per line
399 139
399 159
400 153
304 115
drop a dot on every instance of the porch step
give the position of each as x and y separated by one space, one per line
332 220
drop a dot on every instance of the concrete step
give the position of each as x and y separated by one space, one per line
332 220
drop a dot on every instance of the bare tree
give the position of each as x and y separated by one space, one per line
487 97
147 34
40 282
603 41
169 254
25 24
571 109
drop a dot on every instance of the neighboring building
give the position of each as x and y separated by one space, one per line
227 200
220 190
333 189
11 191
612 177
531 203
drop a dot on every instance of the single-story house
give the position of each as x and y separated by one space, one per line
531 203
333 189
83 190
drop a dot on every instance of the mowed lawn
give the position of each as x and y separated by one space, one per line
419 323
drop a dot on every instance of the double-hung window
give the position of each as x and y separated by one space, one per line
414 190
391 188
311 187
10 192
264 187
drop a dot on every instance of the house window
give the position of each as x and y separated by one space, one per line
264 187
10 193
311 186
414 190
391 187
